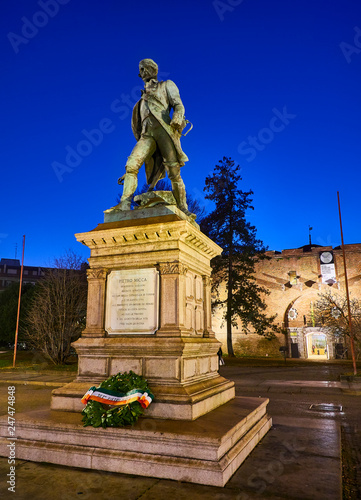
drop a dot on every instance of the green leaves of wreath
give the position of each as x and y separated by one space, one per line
98 414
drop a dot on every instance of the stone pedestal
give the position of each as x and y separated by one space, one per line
179 359
149 311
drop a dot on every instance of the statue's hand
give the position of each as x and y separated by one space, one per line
177 122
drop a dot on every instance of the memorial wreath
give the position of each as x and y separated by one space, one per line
118 401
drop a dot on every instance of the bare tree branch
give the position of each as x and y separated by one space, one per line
57 315
331 312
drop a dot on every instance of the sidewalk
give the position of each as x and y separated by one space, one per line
50 378
303 386
245 384
303 380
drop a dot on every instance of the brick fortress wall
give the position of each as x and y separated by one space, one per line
294 280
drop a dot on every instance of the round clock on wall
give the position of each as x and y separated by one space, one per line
326 257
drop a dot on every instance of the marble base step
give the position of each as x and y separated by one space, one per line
206 451
176 403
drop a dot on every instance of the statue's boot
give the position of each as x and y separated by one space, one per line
130 185
179 193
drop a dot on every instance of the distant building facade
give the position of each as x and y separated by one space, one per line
295 278
10 273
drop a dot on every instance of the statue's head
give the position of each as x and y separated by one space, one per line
148 69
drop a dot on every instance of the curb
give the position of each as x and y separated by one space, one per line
33 382
351 392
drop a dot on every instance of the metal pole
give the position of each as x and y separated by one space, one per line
347 292
18 315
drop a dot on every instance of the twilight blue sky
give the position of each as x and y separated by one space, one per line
273 84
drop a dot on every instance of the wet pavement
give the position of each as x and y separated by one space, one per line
298 459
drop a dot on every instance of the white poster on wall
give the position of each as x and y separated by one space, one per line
328 271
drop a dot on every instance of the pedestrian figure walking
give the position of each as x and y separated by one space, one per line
220 358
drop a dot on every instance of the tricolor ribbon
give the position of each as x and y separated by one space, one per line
108 397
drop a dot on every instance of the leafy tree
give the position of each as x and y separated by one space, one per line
57 315
8 311
331 311
234 269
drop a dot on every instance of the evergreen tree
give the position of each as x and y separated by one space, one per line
234 269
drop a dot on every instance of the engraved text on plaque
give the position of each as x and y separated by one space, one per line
132 302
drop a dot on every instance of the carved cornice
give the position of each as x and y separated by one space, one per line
105 238
172 268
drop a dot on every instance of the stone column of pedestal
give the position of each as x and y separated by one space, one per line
207 283
96 303
172 299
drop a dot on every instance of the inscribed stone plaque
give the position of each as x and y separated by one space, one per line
132 303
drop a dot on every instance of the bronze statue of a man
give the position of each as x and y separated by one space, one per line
158 137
